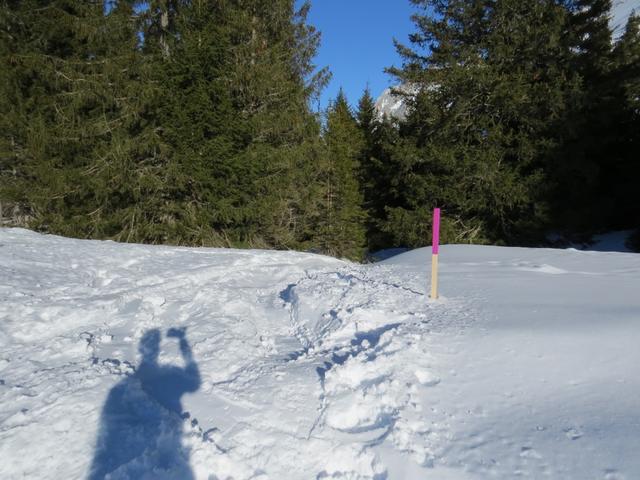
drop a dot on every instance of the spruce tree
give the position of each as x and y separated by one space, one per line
69 81
376 170
236 79
367 121
492 86
167 121
591 37
595 187
272 80
341 229
366 114
622 182
588 134
207 187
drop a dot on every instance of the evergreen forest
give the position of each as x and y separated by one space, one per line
190 122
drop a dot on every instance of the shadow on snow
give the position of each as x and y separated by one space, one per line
141 425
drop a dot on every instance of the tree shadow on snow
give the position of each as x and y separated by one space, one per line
141 425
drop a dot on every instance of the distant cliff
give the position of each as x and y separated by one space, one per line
392 102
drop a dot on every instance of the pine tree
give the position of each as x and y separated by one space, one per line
589 129
595 189
236 78
626 57
590 36
67 102
376 170
14 119
207 188
125 196
367 121
493 86
271 82
26 93
165 122
622 182
366 114
341 226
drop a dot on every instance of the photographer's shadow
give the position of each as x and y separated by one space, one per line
141 425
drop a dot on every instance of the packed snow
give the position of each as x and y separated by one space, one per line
146 362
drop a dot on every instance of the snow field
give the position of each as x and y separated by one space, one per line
311 367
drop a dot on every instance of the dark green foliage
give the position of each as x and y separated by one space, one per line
620 181
375 176
586 133
199 126
367 122
168 121
590 37
341 228
271 83
492 89
596 190
74 117
521 121
188 122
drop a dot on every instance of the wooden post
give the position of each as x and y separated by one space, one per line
435 244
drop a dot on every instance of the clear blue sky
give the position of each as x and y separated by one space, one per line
357 43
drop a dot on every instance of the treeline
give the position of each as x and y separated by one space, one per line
172 121
524 119
189 122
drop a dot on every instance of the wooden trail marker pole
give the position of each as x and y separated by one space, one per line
435 244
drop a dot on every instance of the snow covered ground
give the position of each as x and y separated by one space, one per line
178 363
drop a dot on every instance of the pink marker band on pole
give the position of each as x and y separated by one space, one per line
435 246
436 231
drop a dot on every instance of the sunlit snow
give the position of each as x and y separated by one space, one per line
176 363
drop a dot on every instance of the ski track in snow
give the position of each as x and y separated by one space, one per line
310 367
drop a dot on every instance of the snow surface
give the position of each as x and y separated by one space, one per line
178 363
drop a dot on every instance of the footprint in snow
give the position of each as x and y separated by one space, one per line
543 268
529 452
573 433
612 474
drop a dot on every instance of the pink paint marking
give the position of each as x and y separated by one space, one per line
436 231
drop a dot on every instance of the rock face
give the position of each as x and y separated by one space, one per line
392 104
620 14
